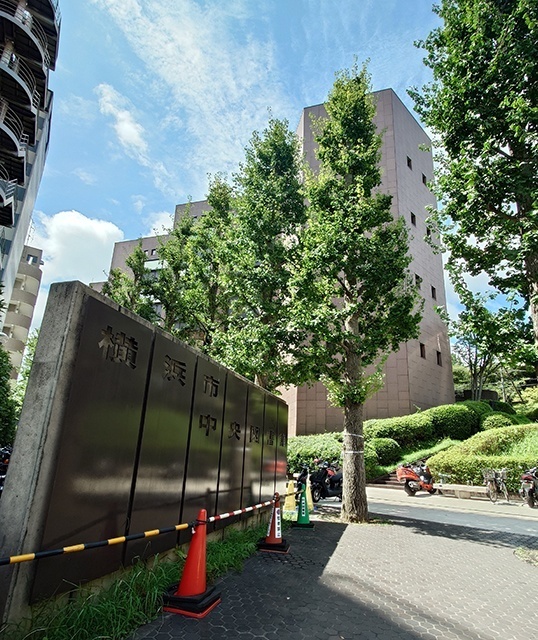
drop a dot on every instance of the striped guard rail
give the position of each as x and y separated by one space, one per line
28 557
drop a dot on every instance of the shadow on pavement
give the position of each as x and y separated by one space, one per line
482 536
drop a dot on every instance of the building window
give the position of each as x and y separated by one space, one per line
439 359
413 219
422 350
434 293
409 163
428 232
424 180
418 280
145 252
30 259
153 252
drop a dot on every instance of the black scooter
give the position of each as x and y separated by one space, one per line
323 485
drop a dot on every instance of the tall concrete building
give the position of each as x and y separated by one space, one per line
419 375
29 35
20 310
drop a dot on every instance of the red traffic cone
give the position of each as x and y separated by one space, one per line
191 597
274 541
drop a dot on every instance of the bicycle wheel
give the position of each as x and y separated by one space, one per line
491 490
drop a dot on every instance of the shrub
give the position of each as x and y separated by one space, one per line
486 449
371 462
497 419
406 430
387 449
531 411
499 405
454 421
521 419
479 407
302 450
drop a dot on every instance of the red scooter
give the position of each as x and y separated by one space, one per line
415 477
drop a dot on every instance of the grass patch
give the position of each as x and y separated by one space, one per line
528 446
411 455
132 600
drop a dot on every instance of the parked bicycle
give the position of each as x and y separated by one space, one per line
495 481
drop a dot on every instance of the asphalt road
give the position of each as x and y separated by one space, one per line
513 517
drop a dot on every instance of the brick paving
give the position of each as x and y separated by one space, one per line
401 579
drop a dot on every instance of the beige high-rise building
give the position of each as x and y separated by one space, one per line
419 375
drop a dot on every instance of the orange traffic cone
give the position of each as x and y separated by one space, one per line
274 541
191 597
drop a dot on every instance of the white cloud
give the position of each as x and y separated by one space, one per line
129 132
77 108
75 247
159 223
85 176
213 75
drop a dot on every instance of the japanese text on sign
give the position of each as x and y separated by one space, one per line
118 347
175 370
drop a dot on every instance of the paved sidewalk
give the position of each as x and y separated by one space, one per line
404 580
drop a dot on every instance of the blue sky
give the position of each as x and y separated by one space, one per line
151 96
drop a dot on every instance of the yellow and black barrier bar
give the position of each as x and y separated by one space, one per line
28 557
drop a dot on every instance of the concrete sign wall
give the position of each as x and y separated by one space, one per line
123 430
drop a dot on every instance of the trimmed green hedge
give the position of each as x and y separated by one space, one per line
504 407
303 450
479 407
455 421
406 430
497 419
387 449
485 450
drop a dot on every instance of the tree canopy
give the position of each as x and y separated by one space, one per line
353 293
482 107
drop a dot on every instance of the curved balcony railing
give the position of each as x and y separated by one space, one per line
56 6
13 124
14 63
7 186
27 21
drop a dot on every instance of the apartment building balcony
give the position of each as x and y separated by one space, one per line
25 28
50 17
18 319
13 128
18 83
7 198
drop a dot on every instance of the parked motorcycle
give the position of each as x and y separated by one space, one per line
5 455
415 477
323 484
529 487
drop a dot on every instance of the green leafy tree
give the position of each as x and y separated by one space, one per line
8 406
353 290
488 343
136 291
268 211
482 107
24 372
190 286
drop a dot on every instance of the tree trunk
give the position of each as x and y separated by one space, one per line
354 501
531 269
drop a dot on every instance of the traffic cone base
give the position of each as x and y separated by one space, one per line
303 519
191 606
274 541
191 597
278 547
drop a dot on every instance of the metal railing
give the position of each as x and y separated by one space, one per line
56 6
19 67
27 21
12 121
